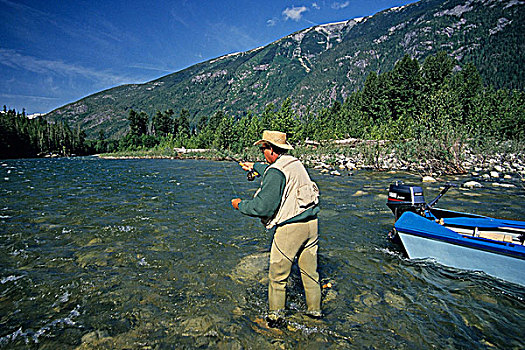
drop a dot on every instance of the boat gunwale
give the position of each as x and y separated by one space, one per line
502 248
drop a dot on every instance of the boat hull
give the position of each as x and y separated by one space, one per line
423 238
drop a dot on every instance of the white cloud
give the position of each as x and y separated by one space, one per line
178 18
228 37
14 60
316 6
294 13
340 5
32 97
271 22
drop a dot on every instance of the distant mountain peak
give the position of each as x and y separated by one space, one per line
323 63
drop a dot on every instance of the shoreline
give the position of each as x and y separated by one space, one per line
500 169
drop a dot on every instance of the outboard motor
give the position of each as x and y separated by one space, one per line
402 198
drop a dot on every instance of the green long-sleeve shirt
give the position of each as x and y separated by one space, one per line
267 201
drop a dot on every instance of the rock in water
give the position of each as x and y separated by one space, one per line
471 184
428 179
251 268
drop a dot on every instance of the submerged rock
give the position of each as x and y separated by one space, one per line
395 300
201 325
95 241
251 268
94 258
96 340
330 296
359 193
93 336
368 299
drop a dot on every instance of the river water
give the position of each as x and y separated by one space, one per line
149 254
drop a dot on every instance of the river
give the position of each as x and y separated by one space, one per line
149 254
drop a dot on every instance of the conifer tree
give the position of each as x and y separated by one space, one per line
405 87
285 119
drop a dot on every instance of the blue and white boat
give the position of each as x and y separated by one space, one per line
461 240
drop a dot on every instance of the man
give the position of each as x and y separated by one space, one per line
287 200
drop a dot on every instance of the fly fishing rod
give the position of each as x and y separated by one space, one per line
252 174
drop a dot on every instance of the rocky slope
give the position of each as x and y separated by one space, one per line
321 64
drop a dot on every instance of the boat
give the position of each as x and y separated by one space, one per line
460 240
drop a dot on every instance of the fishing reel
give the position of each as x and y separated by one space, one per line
252 174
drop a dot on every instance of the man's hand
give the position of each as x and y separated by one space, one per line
247 166
235 203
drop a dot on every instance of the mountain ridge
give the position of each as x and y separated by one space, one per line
320 64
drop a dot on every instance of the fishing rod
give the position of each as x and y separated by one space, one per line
251 175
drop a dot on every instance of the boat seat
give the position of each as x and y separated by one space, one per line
495 236
488 231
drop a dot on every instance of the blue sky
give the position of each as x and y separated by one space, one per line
53 52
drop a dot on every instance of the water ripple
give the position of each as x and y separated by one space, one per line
149 253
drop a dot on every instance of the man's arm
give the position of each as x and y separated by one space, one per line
267 201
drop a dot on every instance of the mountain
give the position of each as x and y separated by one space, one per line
318 65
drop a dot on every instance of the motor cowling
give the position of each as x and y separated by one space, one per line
403 198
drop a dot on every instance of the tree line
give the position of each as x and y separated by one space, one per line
23 137
436 101
432 106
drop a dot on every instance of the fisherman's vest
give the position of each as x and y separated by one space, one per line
300 192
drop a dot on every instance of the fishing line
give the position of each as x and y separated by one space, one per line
290 260
274 242
229 180
226 173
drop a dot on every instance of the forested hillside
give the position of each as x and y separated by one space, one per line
429 109
23 137
321 66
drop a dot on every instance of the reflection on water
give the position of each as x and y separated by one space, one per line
149 254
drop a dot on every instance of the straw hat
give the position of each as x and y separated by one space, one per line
275 138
